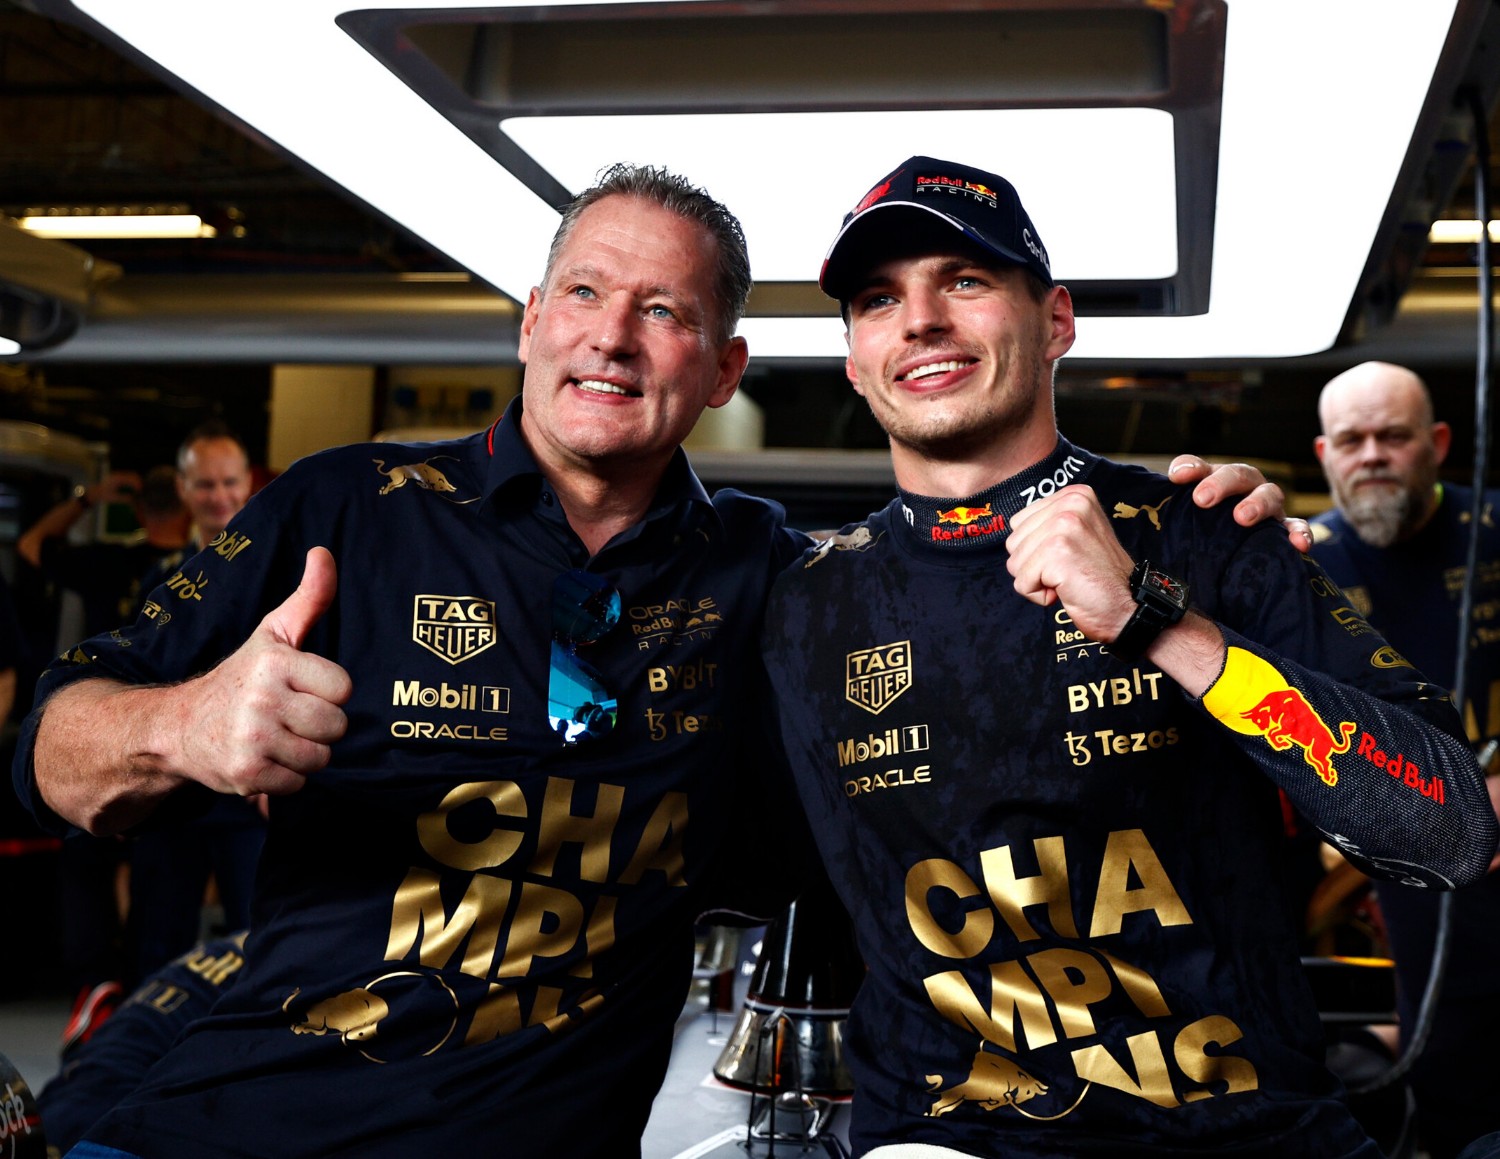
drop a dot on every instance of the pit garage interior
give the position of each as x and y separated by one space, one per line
1241 197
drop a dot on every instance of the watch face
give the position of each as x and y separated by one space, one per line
1166 586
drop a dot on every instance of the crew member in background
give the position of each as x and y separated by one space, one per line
107 577
213 482
1062 857
1397 542
171 866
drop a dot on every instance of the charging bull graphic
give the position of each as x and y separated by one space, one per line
964 516
1285 718
424 475
994 1082
353 1015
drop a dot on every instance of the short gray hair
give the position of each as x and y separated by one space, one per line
677 195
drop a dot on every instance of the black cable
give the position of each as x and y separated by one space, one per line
1421 1030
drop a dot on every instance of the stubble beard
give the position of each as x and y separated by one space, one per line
947 433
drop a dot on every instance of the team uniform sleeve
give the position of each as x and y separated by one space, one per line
1366 748
200 613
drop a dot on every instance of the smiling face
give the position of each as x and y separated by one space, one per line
619 344
955 355
214 483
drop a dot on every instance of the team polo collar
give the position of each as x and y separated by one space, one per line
512 463
975 521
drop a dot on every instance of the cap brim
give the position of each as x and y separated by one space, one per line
860 245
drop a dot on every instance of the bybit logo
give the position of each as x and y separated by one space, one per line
464 697
892 742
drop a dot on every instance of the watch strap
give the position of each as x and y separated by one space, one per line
1153 612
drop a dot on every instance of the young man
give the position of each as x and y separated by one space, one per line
1397 542
1038 709
503 749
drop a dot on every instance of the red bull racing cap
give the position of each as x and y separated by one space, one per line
922 193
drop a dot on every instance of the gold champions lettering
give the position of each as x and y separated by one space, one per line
493 915
1047 997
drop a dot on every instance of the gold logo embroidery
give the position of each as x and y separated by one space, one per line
454 628
423 474
1126 511
874 677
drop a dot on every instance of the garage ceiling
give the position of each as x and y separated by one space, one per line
308 268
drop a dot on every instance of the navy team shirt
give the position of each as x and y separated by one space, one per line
1064 874
468 939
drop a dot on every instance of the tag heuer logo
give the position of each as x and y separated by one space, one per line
456 628
876 676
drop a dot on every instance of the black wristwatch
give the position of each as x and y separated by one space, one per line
1160 601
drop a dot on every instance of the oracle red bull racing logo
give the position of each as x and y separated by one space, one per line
957 185
1286 719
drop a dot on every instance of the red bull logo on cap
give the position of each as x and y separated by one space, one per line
1285 718
873 196
957 185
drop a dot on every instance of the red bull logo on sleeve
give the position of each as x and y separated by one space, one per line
1277 712
1286 719
1399 767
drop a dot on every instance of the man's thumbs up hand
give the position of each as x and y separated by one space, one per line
266 716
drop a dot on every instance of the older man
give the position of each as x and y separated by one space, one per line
503 750
1397 542
473 923
1062 857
